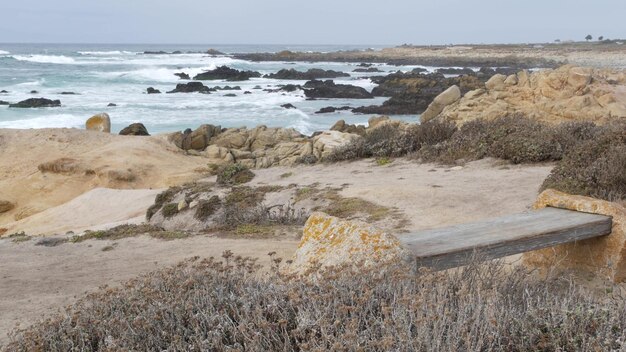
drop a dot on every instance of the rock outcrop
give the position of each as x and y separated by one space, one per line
328 89
447 97
100 122
342 126
329 241
604 256
565 94
330 109
135 129
182 75
152 90
226 73
36 103
191 87
314 73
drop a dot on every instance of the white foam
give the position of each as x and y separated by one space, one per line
107 53
38 82
2 52
51 59
48 121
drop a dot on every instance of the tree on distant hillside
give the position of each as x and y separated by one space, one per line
600 38
588 37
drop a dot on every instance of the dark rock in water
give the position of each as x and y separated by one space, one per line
177 52
289 88
68 93
111 105
3 91
230 95
135 129
363 64
342 126
411 92
418 70
191 87
330 109
34 92
214 52
257 87
455 71
36 103
228 74
486 72
2 102
182 75
155 52
288 106
369 69
314 73
227 88
328 89
151 90
247 92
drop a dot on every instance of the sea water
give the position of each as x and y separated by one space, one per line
120 74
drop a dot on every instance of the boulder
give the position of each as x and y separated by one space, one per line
376 120
5 206
182 75
36 103
342 126
330 109
135 129
329 241
496 82
288 106
314 73
2 102
100 122
447 97
327 141
111 105
604 256
191 87
151 90
200 137
369 69
328 89
226 73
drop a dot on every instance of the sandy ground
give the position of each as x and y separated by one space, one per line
36 280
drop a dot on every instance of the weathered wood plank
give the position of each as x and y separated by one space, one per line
494 238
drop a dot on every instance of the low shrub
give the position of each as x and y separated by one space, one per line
208 305
162 198
207 207
169 210
234 174
118 232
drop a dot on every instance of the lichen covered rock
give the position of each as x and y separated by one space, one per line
100 122
330 241
604 256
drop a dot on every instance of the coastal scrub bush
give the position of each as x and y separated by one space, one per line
234 174
211 305
169 210
162 198
207 207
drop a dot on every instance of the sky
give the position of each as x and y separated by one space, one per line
362 22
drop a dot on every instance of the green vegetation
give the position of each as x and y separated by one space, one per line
207 207
207 305
129 230
286 174
169 210
234 174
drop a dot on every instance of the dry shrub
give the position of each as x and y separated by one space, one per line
118 232
207 305
60 166
162 198
234 174
595 167
207 207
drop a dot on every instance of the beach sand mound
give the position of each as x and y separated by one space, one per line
43 168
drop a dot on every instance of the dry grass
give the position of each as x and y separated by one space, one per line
349 207
129 230
60 166
208 305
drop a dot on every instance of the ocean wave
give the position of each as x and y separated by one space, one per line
48 121
2 52
159 74
106 53
46 59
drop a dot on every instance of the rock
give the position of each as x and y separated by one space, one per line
34 92
364 64
230 95
36 103
151 90
314 73
327 141
215 152
191 87
375 121
5 206
227 88
2 102
100 122
447 97
511 80
134 129
604 256
330 241
330 109
328 89
182 205
68 93
496 82
226 73
214 52
200 137
455 71
182 75
579 78
341 126
247 92
369 69
111 105
3 91
288 106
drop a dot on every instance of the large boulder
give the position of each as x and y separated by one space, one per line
36 103
191 87
342 126
226 73
313 73
329 241
604 256
197 139
100 122
5 206
328 89
447 97
135 129
327 141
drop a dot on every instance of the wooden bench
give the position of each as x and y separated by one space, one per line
495 238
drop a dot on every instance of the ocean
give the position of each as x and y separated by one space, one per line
119 74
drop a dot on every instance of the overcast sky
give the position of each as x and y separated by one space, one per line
308 22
